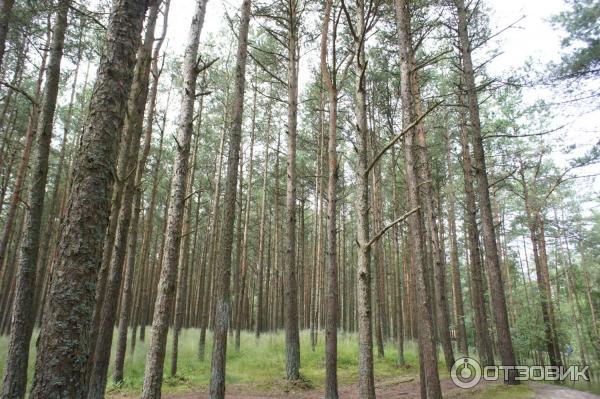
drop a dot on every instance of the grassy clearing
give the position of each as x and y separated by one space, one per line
259 366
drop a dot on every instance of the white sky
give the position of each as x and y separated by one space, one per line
533 39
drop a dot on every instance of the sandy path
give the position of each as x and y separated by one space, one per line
547 391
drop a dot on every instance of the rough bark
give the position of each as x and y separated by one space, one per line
166 287
110 235
63 345
133 127
49 231
15 368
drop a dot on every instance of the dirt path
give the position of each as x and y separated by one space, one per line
393 389
547 391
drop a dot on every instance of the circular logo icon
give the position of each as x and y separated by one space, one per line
466 372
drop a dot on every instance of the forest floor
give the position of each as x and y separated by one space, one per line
392 389
257 372
389 389
409 389
547 391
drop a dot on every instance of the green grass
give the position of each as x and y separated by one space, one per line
498 391
259 366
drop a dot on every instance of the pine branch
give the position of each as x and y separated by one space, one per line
389 226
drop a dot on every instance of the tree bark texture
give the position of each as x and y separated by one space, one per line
63 346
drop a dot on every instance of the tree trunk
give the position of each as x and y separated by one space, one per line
183 267
572 298
233 309
63 345
292 336
261 246
396 274
213 231
436 261
146 282
459 312
588 291
21 175
489 235
49 231
366 378
111 233
378 256
430 383
223 266
9 103
331 324
133 128
482 338
317 240
15 370
244 261
141 169
5 12
168 276
543 278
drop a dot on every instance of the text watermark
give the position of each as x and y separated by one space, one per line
468 372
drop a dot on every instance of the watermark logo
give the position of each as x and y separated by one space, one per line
467 372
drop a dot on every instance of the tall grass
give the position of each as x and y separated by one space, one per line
259 366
